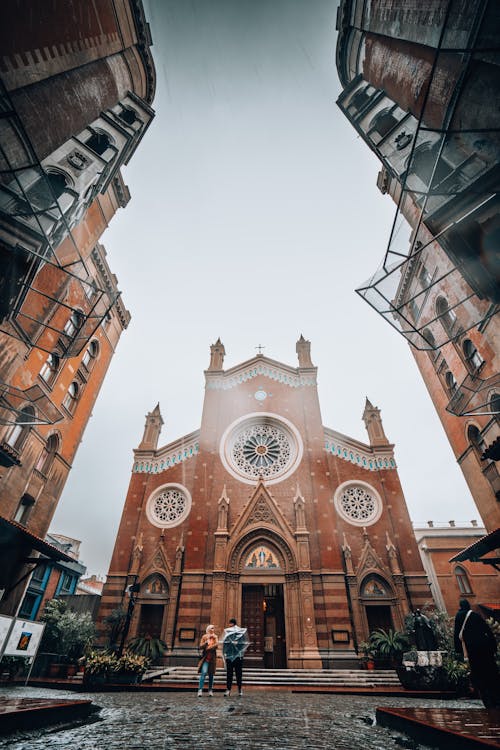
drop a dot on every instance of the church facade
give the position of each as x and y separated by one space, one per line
264 514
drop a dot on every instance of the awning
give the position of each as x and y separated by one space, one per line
474 552
14 534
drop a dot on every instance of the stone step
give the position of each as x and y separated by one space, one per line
337 678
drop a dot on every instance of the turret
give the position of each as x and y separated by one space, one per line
303 349
217 354
152 429
373 423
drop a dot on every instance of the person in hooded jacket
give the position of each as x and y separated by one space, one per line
475 642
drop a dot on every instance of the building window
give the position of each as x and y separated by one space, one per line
71 398
24 509
19 433
47 455
358 503
425 278
447 316
49 370
382 123
74 323
91 352
495 406
29 607
67 581
473 359
462 580
451 383
128 115
46 190
475 439
99 142
168 506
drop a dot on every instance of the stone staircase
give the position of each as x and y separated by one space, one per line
319 678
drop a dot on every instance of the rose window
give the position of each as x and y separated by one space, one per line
168 506
261 447
358 503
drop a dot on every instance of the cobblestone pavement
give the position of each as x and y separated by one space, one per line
259 720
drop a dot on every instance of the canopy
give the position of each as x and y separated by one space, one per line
235 642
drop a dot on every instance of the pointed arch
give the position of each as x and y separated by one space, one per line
266 538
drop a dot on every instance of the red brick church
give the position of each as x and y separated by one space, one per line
299 531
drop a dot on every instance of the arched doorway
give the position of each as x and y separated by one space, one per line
376 596
153 601
263 605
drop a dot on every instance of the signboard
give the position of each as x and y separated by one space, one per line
24 638
5 623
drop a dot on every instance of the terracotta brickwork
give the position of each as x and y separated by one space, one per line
451 581
418 88
78 81
321 559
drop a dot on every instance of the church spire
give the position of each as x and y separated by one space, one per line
217 354
152 429
303 349
373 423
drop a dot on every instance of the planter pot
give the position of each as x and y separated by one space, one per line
124 678
93 681
370 664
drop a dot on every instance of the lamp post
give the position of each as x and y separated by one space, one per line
131 590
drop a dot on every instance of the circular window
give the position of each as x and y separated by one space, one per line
168 506
261 446
358 503
260 395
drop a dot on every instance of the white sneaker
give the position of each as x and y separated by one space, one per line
200 693
240 693
227 694
210 693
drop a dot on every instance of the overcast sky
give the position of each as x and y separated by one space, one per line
254 216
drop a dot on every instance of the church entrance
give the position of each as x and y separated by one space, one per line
263 613
150 621
379 617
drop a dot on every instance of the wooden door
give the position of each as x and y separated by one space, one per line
252 618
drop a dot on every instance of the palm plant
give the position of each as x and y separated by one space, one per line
389 644
145 645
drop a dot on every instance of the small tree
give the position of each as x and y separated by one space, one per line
115 622
66 632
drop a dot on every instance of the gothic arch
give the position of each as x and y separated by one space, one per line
263 536
374 576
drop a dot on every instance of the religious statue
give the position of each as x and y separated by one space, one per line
425 640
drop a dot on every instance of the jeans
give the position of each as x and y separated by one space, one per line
204 669
237 667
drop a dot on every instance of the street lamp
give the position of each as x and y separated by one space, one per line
133 589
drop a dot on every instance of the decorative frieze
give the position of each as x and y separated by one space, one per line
366 460
178 456
225 382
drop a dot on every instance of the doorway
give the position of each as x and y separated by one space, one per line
379 617
263 614
150 620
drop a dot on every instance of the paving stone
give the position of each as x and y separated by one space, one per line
259 720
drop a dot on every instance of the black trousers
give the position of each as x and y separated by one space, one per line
236 667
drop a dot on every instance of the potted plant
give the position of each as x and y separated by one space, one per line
129 668
152 648
368 659
388 645
66 634
98 667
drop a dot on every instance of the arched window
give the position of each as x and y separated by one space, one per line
50 367
19 433
74 323
447 316
24 509
46 190
47 455
91 352
473 359
383 123
359 100
99 142
462 580
154 585
128 115
495 406
71 398
451 383
422 164
475 439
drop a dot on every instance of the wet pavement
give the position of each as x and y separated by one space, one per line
259 720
